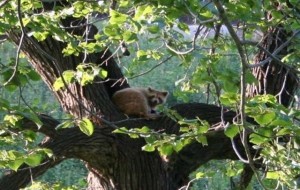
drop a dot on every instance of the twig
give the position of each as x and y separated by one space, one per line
85 24
3 3
243 86
186 187
272 55
237 152
283 86
19 46
194 38
146 72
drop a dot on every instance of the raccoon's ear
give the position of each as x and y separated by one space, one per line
150 89
165 93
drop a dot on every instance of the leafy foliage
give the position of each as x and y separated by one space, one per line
207 69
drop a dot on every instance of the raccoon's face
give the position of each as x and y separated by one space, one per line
156 97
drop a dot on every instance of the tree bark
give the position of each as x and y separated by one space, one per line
115 161
273 77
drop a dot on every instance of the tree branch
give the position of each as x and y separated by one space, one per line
72 143
20 179
244 64
272 55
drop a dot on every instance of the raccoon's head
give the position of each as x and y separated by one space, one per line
156 97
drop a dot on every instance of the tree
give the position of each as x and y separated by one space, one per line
75 59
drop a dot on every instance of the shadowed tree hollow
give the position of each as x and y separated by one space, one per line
116 161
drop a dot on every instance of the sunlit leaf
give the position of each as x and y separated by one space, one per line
117 17
103 73
272 175
165 149
200 175
12 119
148 148
33 159
15 164
231 131
86 126
202 139
265 118
122 130
258 139
58 84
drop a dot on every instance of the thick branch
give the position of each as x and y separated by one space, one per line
47 128
20 179
111 155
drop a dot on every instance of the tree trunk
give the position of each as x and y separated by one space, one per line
274 77
114 161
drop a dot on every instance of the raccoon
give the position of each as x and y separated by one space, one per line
139 102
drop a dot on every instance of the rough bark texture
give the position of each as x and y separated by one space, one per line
274 78
117 162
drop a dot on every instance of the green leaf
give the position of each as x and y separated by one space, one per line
129 36
229 99
66 124
15 164
29 135
141 55
86 126
70 50
202 129
184 27
231 131
34 76
165 149
133 135
122 130
113 31
48 152
184 129
41 36
200 175
31 116
250 79
33 159
265 131
283 132
257 139
178 145
69 76
201 139
13 155
230 87
265 118
86 78
12 119
282 120
148 148
4 104
117 18
153 29
144 130
58 84
273 175
103 73
150 139
142 12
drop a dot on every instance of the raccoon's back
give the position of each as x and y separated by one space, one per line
131 101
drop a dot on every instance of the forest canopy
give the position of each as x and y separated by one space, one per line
230 68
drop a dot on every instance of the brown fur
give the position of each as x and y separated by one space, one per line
139 102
